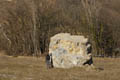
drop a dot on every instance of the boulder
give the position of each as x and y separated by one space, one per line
70 50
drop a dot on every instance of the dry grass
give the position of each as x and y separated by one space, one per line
28 68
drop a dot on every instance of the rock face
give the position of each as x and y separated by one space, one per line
70 50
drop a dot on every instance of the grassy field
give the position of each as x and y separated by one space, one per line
28 68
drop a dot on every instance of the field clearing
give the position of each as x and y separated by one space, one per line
29 68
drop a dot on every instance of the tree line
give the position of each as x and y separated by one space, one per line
30 24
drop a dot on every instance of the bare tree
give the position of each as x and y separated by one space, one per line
91 10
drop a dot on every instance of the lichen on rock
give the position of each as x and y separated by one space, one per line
69 50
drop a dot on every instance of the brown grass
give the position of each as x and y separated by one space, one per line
28 68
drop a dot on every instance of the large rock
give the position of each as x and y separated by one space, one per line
70 50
